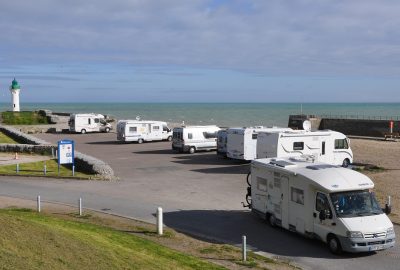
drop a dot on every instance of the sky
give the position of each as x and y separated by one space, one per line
201 51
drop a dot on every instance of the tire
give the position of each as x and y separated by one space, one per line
271 220
192 150
83 131
345 163
140 141
334 245
107 130
169 138
248 179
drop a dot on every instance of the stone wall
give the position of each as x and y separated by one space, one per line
30 144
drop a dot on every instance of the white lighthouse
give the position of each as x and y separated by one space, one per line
14 89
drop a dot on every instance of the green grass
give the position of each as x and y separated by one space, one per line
23 118
36 169
6 139
36 241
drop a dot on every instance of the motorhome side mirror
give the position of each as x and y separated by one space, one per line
388 209
322 215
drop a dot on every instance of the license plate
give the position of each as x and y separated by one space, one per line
377 247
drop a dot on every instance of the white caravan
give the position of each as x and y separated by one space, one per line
326 146
330 203
242 142
194 138
142 130
222 139
88 122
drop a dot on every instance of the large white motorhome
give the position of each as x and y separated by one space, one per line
88 122
326 146
242 142
143 130
194 138
319 200
222 139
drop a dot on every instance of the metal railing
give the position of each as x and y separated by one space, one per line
360 117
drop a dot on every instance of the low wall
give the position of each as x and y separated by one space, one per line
360 127
31 144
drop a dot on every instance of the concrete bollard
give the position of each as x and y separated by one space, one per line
159 221
73 170
17 168
80 206
389 199
244 248
44 169
38 204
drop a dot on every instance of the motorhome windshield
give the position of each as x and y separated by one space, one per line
355 203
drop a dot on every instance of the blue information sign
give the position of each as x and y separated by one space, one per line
65 152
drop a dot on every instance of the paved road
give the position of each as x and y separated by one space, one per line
201 195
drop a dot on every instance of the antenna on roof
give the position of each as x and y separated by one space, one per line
138 118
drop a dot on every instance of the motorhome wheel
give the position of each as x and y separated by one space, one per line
107 129
83 131
169 138
192 150
140 141
334 245
346 163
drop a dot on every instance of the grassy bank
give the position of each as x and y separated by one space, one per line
23 118
37 169
32 241
6 139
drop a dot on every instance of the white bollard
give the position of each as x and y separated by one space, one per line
80 206
17 168
73 170
389 201
244 248
38 204
44 169
159 221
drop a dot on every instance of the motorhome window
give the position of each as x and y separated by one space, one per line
190 136
165 128
132 129
210 135
341 144
261 184
322 202
89 121
156 128
355 203
254 136
323 148
97 120
297 195
298 145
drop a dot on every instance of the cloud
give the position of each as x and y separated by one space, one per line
272 37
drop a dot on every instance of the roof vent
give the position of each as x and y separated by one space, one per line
281 163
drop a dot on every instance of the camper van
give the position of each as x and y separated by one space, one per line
142 131
222 139
326 146
88 122
242 142
194 138
319 200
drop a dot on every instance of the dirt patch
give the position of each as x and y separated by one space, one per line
14 158
385 155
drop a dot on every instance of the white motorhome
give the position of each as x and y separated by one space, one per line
327 202
326 146
222 139
242 142
194 138
143 130
88 122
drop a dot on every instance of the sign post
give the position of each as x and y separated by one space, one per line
391 126
65 154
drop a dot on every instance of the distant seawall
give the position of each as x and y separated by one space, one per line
372 127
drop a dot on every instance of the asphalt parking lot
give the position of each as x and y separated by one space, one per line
201 195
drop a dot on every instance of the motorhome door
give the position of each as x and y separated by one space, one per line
278 198
156 132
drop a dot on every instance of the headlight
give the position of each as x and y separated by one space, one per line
390 231
354 234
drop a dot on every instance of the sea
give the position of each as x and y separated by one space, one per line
222 114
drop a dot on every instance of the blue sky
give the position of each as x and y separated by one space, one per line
201 51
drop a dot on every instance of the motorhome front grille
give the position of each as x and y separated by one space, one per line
374 235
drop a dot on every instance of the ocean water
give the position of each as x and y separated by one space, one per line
222 114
